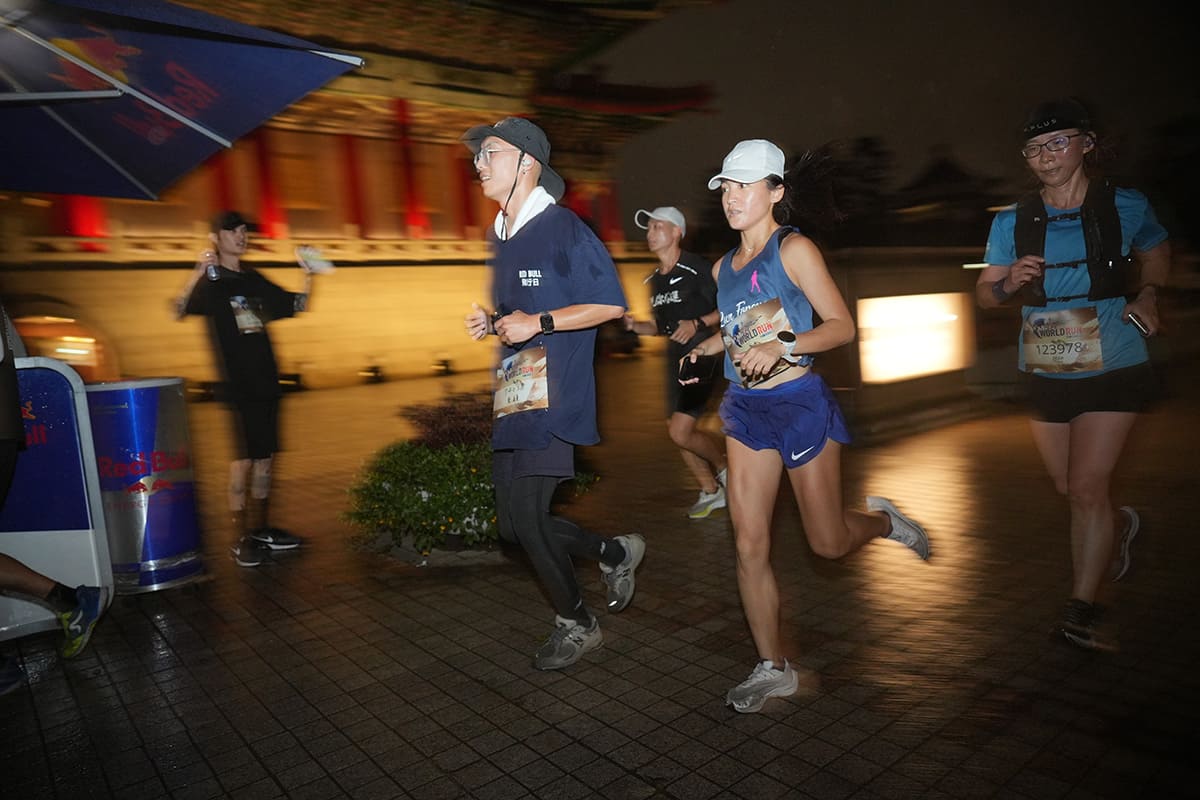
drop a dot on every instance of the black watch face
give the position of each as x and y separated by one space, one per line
786 336
547 323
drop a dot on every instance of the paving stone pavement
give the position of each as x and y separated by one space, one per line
333 672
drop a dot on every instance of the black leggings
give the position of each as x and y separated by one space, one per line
523 517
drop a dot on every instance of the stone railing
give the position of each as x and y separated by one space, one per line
131 250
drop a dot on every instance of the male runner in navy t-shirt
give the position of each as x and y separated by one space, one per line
553 283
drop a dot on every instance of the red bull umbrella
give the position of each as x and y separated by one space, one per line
120 99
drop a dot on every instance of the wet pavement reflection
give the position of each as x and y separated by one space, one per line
338 672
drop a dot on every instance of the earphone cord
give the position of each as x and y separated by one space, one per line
504 208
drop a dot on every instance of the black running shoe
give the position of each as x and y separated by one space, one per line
276 539
246 552
1079 626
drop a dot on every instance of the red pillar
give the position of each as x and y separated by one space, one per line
352 170
415 218
83 216
271 220
466 186
610 213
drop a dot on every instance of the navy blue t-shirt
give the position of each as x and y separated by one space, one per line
553 261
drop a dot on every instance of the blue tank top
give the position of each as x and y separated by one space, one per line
761 279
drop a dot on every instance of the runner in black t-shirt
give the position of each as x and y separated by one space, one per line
239 303
684 300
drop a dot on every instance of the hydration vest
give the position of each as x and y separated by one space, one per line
1110 271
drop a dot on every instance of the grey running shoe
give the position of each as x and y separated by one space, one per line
1125 553
764 683
567 644
276 539
246 552
620 579
904 530
79 622
708 503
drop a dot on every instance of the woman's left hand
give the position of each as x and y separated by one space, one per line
759 360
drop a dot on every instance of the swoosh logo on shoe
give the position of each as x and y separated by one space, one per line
674 281
74 627
800 455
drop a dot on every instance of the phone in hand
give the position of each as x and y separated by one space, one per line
702 368
1137 323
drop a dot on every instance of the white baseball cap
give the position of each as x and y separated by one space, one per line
749 161
669 214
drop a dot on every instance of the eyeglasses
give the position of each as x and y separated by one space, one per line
485 156
1055 145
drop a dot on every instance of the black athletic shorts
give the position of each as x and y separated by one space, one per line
693 398
258 421
557 460
1132 389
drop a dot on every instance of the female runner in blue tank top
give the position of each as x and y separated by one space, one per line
777 413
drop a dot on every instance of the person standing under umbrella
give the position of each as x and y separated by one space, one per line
239 303
553 283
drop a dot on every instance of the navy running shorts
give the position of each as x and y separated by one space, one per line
556 460
1131 389
795 418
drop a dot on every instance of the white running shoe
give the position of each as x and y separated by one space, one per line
708 503
764 683
904 530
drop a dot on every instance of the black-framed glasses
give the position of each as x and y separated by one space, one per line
484 156
1055 145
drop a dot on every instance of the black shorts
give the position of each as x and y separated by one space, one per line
1132 389
693 398
258 423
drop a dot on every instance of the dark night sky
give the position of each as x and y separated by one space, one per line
915 73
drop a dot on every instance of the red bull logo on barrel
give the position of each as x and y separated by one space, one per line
145 466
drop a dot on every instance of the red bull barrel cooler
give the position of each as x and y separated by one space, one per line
140 432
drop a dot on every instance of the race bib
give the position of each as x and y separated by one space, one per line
754 326
521 383
1066 340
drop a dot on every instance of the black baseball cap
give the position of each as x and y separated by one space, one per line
231 221
524 135
1056 115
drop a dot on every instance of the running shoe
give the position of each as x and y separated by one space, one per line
246 552
620 579
1080 626
904 530
567 644
708 503
765 682
1125 552
79 622
276 539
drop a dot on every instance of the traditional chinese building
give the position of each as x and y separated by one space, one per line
369 169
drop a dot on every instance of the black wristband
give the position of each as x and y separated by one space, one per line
998 292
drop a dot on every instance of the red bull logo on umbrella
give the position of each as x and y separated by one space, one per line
102 51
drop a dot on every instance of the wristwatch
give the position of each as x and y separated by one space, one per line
788 340
547 320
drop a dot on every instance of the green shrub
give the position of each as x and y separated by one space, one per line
424 493
438 484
